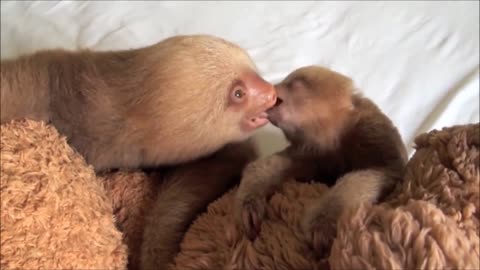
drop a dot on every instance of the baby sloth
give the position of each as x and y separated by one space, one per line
336 136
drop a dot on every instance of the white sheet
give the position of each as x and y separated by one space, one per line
418 60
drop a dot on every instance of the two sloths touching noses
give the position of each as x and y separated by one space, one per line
142 108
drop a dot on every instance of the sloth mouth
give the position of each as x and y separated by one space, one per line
259 120
275 106
261 117
273 114
278 102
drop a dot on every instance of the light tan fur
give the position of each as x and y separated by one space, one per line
171 103
138 107
337 136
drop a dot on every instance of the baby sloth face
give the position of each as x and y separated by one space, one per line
309 97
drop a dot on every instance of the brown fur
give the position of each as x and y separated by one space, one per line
170 103
181 198
336 135
167 103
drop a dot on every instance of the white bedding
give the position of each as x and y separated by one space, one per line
418 60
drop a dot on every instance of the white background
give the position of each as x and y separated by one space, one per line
419 61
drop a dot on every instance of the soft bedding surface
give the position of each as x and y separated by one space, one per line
430 221
418 60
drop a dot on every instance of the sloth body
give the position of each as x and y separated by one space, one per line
337 136
189 102
141 107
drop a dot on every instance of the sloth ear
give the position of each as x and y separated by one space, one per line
298 84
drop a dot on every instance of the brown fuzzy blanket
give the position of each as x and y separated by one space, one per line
54 211
431 221
56 214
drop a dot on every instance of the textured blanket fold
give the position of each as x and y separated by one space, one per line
57 214
431 220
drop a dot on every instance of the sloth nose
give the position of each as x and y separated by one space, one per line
267 93
262 92
271 97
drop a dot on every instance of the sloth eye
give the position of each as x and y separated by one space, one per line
238 93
